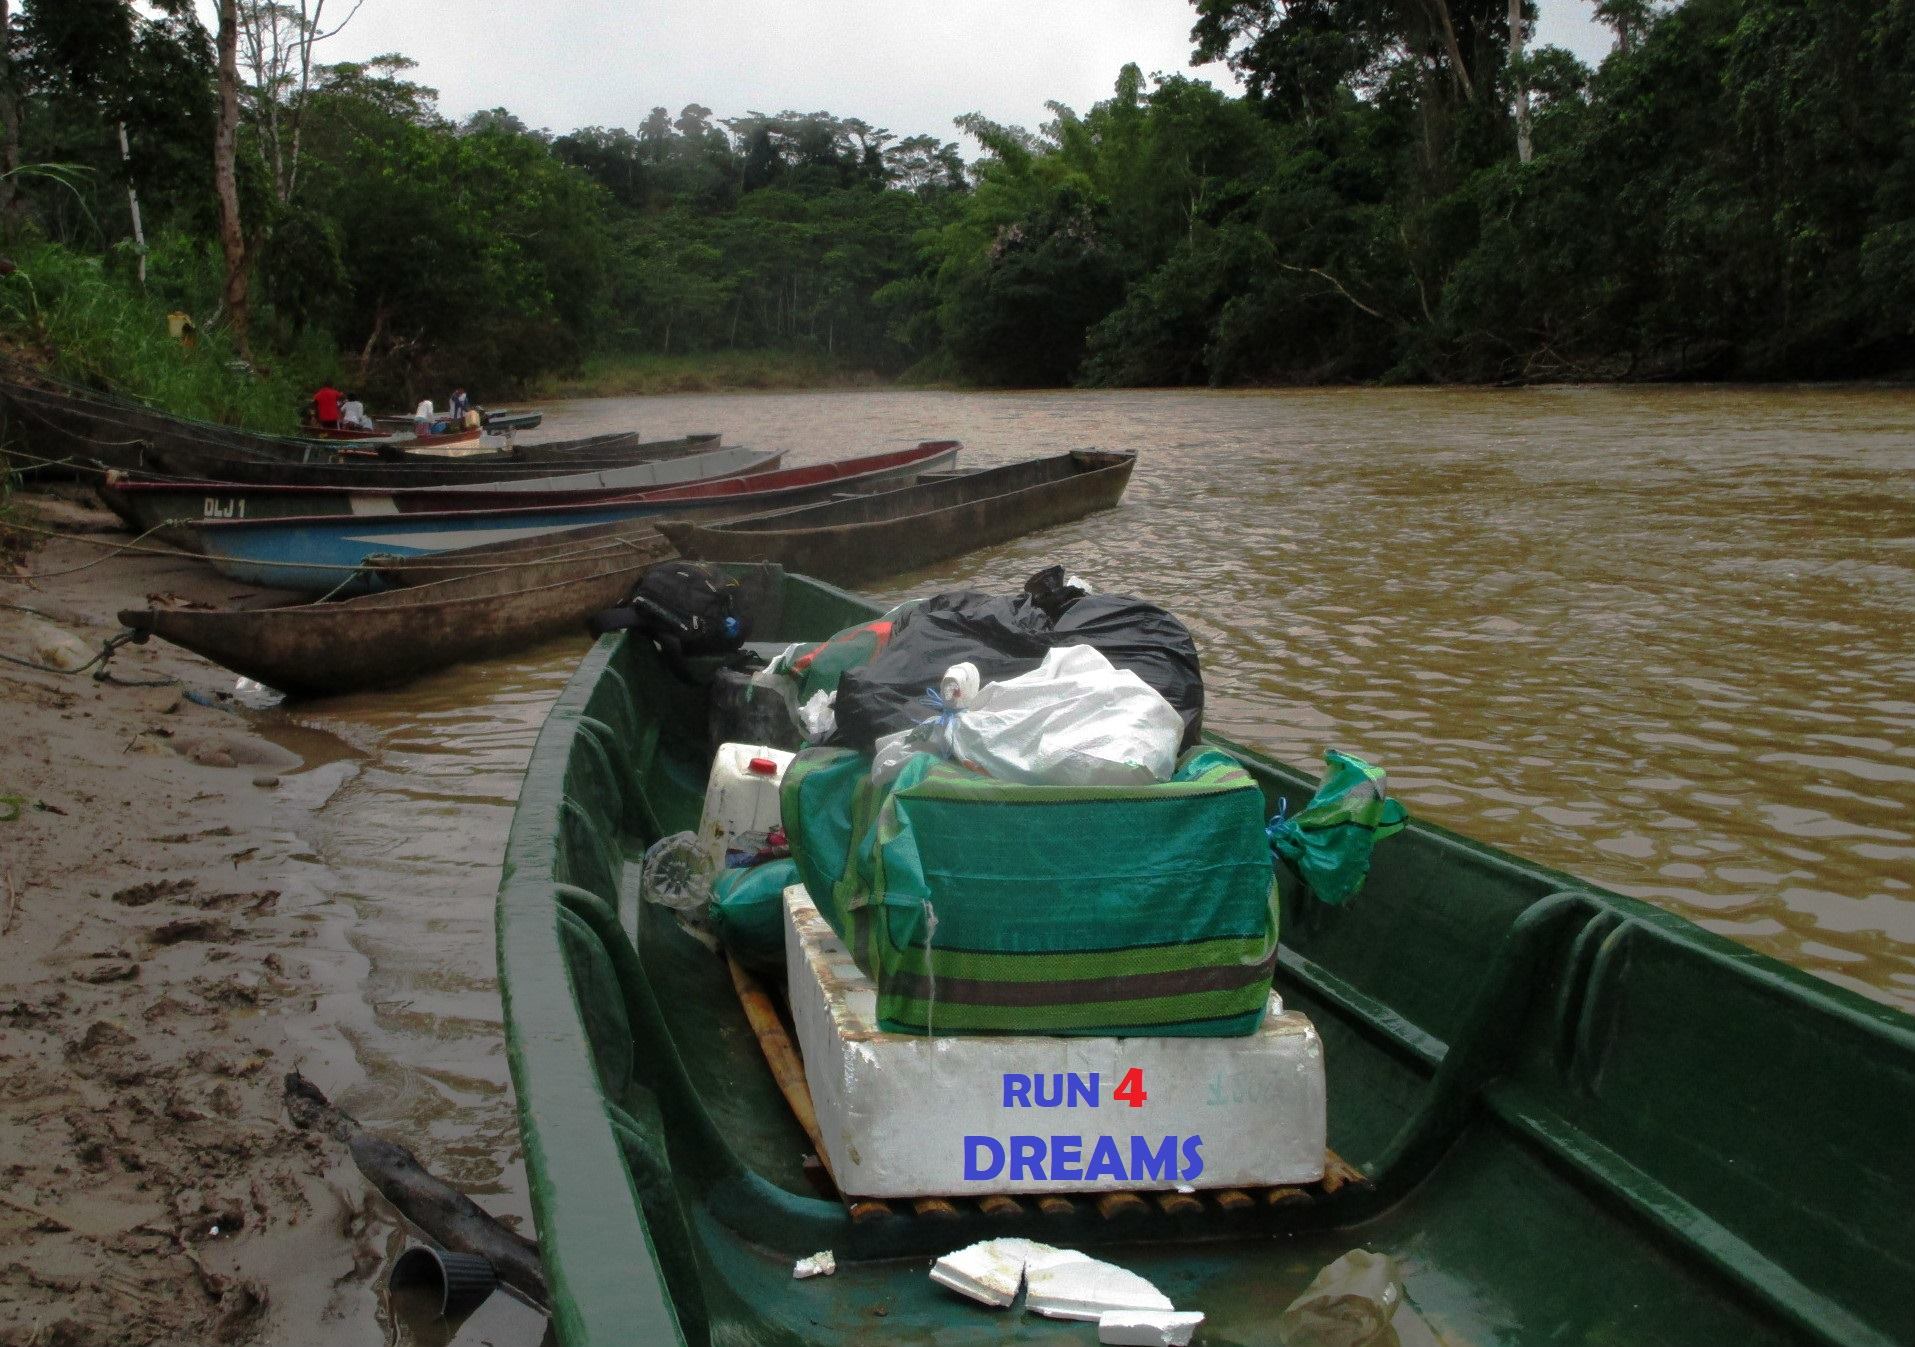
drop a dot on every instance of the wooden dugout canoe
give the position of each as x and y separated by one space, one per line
889 532
462 441
397 572
497 422
149 505
1579 1118
81 427
317 553
348 434
84 428
593 452
382 640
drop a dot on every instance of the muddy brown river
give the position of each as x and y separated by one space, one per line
1659 638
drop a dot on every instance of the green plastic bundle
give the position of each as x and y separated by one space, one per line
1329 841
980 906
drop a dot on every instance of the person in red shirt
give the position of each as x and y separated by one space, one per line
326 407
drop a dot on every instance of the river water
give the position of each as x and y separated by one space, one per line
1658 638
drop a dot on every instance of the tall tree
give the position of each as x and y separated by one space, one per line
9 127
278 39
1519 82
1628 19
232 237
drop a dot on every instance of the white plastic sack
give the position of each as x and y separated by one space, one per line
1075 720
819 716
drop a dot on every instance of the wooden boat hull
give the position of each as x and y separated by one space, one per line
447 442
1581 1119
78 427
81 428
887 533
382 640
149 504
315 554
497 422
349 434
604 451
394 572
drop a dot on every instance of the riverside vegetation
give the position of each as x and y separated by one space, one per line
1402 193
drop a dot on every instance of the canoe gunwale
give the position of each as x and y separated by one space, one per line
768 521
823 540
687 492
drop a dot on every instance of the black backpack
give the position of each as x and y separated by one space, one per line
685 608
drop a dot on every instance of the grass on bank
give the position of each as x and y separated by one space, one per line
605 376
74 317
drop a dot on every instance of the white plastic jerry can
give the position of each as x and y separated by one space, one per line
741 802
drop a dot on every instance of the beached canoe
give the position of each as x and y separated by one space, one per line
885 533
382 640
317 553
351 469
1576 1118
75 426
576 545
71 426
154 504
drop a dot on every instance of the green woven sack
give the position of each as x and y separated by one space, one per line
980 906
748 912
1329 841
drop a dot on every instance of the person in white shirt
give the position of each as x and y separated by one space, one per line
354 413
422 418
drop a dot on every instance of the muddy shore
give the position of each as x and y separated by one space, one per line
169 950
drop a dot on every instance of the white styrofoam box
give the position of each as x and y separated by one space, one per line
741 805
902 1114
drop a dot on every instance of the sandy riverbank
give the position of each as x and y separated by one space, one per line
167 954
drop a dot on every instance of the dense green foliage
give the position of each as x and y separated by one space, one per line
427 253
1728 196
1731 194
65 311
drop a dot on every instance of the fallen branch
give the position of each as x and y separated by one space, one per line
1313 271
436 1207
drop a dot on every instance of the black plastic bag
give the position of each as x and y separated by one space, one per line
1007 635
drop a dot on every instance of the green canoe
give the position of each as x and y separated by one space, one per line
1582 1120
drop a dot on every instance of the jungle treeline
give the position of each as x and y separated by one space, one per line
1401 193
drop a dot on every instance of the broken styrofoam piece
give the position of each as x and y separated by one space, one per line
1087 1289
821 1264
991 1271
1148 1328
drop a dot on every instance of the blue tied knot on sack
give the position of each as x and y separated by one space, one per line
947 712
1279 821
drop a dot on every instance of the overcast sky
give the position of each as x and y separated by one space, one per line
909 65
